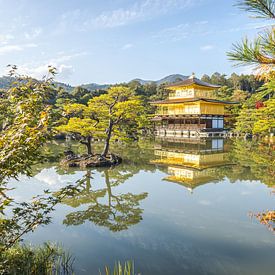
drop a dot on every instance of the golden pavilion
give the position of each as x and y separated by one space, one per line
192 165
191 110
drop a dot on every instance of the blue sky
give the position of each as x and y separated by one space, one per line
112 41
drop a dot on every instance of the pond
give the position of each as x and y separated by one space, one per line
172 206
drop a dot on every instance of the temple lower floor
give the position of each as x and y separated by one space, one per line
190 126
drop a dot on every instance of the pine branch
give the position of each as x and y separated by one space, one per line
262 8
260 52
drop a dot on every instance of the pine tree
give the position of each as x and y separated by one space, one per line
259 53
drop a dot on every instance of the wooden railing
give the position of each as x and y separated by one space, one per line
182 127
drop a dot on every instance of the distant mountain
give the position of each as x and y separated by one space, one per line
168 79
94 86
171 79
5 81
65 86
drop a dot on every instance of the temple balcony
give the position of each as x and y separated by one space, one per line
184 127
191 93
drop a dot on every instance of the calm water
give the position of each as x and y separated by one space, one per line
174 208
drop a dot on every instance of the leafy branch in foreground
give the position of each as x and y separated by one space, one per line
28 215
261 51
24 120
263 8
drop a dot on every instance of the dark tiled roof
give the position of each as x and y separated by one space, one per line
183 100
190 81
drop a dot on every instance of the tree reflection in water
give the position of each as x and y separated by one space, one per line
116 212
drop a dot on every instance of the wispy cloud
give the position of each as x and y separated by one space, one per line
140 11
180 32
248 26
34 33
127 46
5 38
64 57
175 33
207 48
15 48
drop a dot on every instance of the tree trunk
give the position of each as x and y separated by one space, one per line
109 189
107 140
88 181
89 145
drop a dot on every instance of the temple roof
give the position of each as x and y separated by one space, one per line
183 100
192 80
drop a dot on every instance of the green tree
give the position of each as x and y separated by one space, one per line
206 78
249 83
120 115
80 124
265 118
245 120
260 119
257 114
24 114
24 131
219 79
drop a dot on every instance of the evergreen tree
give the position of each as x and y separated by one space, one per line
261 52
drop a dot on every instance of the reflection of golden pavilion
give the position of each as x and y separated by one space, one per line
190 160
192 164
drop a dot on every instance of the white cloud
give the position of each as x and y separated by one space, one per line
207 48
127 46
10 48
15 48
64 71
39 70
5 38
140 11
50 177
33 33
